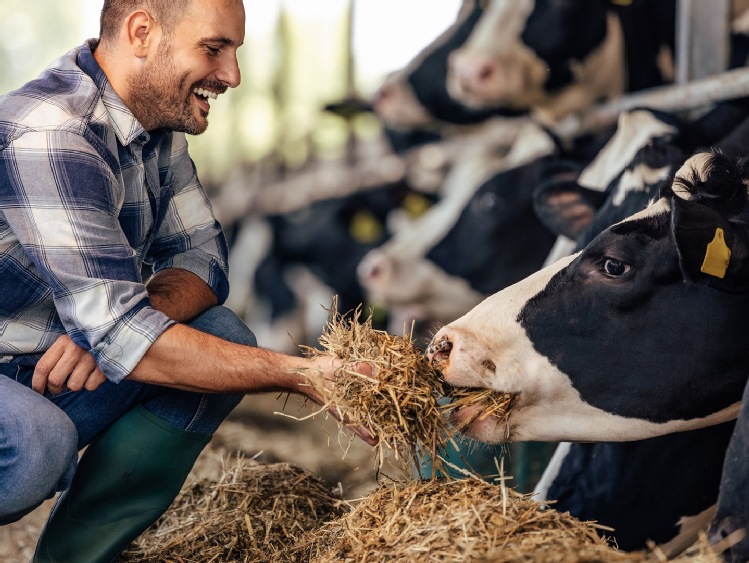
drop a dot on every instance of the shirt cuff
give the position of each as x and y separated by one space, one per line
127 343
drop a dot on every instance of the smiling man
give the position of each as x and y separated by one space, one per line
96 188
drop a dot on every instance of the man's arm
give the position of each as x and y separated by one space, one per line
180 294
185 358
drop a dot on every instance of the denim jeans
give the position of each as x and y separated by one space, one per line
40 436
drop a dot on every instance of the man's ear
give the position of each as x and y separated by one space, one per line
143 33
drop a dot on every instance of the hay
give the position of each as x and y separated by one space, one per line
493 403
401 403
451 521
249 514
471 520
282 514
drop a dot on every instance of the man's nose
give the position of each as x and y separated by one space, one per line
229 73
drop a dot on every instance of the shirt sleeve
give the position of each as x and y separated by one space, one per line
62 202
188 236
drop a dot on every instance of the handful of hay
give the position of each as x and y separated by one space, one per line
401 403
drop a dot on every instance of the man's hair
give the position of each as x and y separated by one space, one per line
166 12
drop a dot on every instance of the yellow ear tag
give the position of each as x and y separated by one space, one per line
717 256
415 205
365 228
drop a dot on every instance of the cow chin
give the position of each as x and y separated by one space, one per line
474 423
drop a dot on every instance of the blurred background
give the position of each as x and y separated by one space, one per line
298 56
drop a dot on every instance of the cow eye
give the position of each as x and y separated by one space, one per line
487 202
614 268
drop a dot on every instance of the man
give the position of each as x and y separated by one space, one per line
95 182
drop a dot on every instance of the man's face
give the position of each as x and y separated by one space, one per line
190 68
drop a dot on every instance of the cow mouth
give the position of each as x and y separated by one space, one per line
469 405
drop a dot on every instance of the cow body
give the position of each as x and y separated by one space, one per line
732 515
644 490
596 344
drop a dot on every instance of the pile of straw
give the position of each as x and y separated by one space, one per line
451 521
281 514
402 402
471 520
251 513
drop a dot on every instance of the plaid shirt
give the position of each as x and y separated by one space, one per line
87 197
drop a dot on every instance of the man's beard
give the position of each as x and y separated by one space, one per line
159 98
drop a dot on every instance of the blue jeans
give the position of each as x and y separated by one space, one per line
40 436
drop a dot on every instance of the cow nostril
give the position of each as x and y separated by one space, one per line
485 72
383 93
439 351
373 268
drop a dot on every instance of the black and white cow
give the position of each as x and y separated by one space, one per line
647 147
594 481
555 57
416 98
481 236
639 335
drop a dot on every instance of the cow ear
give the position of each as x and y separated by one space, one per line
565 207
711 249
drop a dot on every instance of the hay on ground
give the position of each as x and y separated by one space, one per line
282 514
249 514
401 403
470 520
451 521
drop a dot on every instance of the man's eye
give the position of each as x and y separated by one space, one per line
212 51
613 267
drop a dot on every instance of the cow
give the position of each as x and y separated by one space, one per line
594 481
557 57
640 334
482 235
414 102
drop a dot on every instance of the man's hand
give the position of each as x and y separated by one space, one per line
327 366
66 364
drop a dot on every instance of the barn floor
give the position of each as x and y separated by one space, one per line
253 430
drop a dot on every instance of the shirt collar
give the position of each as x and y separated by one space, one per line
126 126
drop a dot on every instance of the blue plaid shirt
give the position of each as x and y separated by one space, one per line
87 197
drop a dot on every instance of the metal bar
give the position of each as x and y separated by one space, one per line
702 38
677 98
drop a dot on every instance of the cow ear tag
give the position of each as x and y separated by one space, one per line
717 256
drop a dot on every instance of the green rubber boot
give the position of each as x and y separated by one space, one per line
125 480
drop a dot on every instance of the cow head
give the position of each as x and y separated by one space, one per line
416 96
640 334
528 53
